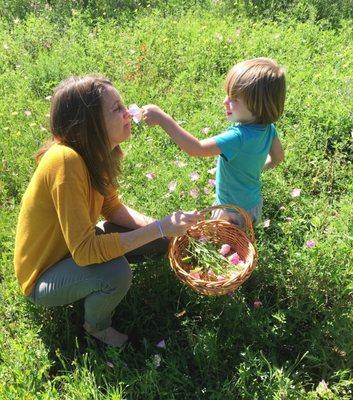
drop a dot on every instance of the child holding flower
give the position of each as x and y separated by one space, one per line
255 95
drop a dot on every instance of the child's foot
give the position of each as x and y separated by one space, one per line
109 336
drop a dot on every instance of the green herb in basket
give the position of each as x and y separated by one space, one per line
211 261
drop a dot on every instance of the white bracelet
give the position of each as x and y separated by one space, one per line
160 228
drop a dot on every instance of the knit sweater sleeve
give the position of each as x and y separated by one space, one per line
70 195
110 204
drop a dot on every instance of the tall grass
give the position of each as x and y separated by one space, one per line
299 343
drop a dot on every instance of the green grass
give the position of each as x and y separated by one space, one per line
177 56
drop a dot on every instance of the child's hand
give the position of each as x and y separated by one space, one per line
153 115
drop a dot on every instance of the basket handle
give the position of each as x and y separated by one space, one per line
248 227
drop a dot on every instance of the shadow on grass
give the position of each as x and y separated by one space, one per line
209 340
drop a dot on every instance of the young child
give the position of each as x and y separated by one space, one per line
255 94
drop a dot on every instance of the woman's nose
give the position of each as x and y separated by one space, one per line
127 114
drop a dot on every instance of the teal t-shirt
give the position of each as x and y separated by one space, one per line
244 149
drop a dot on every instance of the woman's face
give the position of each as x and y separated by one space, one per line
116 117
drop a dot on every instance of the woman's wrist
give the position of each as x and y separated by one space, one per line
160 228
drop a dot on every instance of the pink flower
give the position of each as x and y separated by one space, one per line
234 258
296 192
194 176
150 175
211 274
172 186
203 239
194 275
257 303
212 182
194 193
220 278
205 130
310 243
267 223
180 164
161 344
225 249
206 190
212 171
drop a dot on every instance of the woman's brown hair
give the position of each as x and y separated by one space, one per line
76 120
261 83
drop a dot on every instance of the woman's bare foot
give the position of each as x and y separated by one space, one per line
109 336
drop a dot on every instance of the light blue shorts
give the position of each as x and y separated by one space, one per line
236 218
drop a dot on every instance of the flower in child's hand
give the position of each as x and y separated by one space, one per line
257 304
234 258
172 186
150 176
194 176
296 192
310 243
136 112
225 249
194 193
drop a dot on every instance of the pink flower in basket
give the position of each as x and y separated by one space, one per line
220 278
195 275
211 274
235 259
225 249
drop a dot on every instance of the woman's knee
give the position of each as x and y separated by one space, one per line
120 274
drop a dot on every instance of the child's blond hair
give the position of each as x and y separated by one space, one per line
261 83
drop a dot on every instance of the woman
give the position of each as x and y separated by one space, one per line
61 256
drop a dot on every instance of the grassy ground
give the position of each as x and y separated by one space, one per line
298 345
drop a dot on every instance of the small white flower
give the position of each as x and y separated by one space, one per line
296 192
150 176
194 193
194 176
157 360
267 223
172 186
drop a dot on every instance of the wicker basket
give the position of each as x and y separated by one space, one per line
241 240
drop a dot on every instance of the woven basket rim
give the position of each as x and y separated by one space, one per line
209 287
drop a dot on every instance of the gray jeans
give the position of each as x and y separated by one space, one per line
102 286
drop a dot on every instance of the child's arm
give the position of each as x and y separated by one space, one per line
153 115
276 154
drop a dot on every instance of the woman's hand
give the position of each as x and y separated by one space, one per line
153 115
179 222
